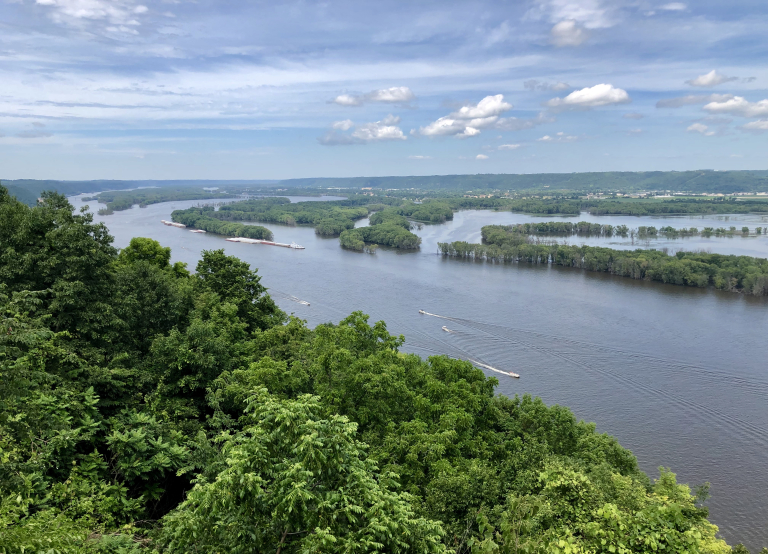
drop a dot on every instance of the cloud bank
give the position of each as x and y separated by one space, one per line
392 95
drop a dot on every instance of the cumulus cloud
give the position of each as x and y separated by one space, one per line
345 125
739 105
674 7
701 129
635 132
377 131
468 120
692 99
710 79
533 84
509 147
419 157
481 157
591 97
760 125
633 115
559 137
567 33
392 95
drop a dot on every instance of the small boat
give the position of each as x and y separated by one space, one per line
304 302
422 312
486 366
196 231
446 329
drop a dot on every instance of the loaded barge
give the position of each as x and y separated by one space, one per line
172 224
267 242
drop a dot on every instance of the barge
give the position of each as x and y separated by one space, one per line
267 242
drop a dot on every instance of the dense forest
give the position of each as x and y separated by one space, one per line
731 273
701 181
389 224
146 408
587 229
202 218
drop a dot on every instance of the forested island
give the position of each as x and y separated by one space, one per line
125 199
389 225
147 408
503 243
587 229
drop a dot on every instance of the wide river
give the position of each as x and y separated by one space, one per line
679 375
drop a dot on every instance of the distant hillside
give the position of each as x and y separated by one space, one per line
28 190
680 181
699 181
22 195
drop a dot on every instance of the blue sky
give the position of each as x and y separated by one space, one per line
175 89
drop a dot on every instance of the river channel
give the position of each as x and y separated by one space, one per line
679 375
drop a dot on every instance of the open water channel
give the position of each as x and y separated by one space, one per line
679 375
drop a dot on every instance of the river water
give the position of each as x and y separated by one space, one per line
679 375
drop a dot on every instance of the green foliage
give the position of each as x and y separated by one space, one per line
202 218
170 412
117 200
147 250
298 482
385 234
234 280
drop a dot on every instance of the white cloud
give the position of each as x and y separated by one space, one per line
692 99
710 79
348 100
559 137
378 131
509 147
700 128
567 33
760 125
592 14
633 115
119 14
392 95
674 7
419 157
468 120
738 105
345 125
391 120
533 84
591 97
481 157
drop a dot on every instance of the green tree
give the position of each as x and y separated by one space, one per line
298 482
235 282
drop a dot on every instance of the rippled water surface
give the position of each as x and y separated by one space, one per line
679 375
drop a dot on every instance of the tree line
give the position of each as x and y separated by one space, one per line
125 199
202 218
145 408
731 273
585 228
